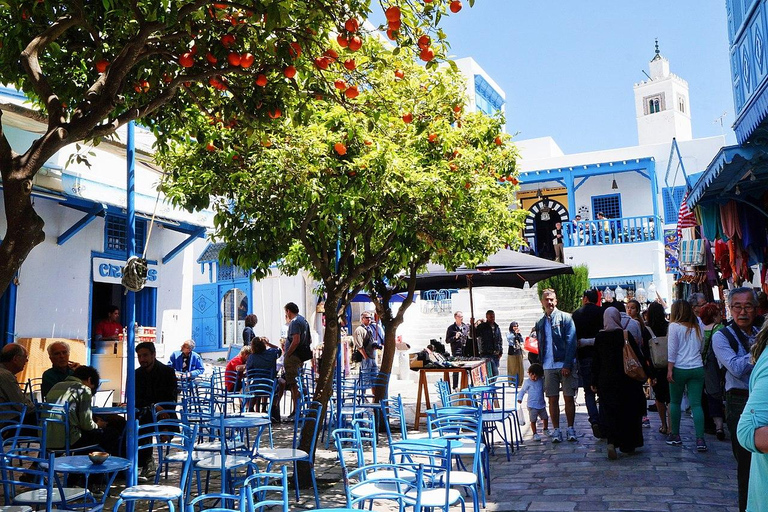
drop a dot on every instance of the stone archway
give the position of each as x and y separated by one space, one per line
544 214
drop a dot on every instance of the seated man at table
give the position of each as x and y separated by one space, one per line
13 359
84 430
61 366
187 363
155 383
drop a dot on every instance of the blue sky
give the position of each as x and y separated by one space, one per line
568 67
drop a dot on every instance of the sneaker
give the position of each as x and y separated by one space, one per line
537 437
612 455
646 422
701 445
571 434
149 470
557 436
674 440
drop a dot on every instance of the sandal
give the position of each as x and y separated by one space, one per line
664 430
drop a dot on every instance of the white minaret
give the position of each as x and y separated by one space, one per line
662 105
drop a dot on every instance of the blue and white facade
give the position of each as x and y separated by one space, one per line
66 283
638 189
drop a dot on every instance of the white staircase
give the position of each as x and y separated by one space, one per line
522 306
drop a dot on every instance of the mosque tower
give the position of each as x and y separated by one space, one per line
662 105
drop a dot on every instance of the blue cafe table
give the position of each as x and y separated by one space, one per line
82 465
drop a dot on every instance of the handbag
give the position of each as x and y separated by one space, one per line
658 346
632 367
531 344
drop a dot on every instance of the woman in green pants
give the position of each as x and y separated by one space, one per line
685 370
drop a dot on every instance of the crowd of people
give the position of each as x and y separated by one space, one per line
611 351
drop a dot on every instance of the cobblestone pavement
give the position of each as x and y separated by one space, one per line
573 476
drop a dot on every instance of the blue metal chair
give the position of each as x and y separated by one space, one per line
360 489
497 416
182 441
232 455
435 457
222 498
56 417
28 482
392 408
510 402
309 414
259 491
465 426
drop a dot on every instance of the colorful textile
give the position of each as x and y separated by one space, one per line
685 217
710 221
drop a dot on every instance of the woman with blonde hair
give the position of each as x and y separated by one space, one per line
685 370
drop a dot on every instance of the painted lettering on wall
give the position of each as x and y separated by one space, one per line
110 271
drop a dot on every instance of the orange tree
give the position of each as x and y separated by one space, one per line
91 66
396 174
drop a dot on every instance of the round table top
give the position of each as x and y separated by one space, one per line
82 464
245 421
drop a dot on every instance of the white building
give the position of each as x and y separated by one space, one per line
638 188
67 282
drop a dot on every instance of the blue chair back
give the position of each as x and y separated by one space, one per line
20 473
225 501
265 490
310 413
154 436
398 484
393 408
365 432
347 442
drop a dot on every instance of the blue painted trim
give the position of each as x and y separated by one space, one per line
583 181
199 233
724 158
680 158
594 210
79 225
588 170
655 197
116 257
486 90
561 181
644 175
571 194
12 92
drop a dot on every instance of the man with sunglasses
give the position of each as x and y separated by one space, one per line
731 346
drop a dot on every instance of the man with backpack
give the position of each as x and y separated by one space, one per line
297 350
731 346
365 347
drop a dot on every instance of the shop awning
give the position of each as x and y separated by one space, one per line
620 280
734 173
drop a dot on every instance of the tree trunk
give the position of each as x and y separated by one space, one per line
24 226
323 383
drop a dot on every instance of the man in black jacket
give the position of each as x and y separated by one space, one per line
155 383
589 320
456 337
489 339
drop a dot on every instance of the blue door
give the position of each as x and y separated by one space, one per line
234 306
205 317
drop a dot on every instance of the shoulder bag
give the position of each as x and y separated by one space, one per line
632 367
658 346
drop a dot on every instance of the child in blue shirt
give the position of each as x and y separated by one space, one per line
537 408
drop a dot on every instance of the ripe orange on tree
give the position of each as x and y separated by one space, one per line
289 71
246 60
274 114
211 58
101 65
394 25
432 137
408 118
340 148
227 40
392 34
322 62
340 85
455 6
295 50
498 140
399 74
355 43
261 80
186 60
350 64
331 54
342 40
352 92
352 25
424 41
427 54
392 13
234 59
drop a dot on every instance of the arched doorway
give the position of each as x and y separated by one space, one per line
539 225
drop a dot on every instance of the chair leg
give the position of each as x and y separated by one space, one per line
296 479
314 485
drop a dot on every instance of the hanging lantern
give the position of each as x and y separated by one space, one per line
652 291
620 294
641 295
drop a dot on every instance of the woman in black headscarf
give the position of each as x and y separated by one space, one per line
622 402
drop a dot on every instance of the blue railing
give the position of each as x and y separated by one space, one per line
625 230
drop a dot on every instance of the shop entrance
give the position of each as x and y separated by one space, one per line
104 295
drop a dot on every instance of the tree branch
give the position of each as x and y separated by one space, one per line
31 64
